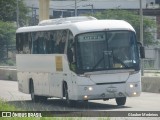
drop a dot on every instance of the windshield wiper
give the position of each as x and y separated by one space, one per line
115 58
109 53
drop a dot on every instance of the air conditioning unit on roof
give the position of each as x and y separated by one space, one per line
66 20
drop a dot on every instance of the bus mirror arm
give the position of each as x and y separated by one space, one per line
142 50
70 55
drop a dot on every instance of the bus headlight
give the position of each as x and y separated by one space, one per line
131 85
134 93
90 88
85 97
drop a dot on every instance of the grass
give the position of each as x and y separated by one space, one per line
8 62
4 106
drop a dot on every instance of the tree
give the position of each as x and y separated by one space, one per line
8 10
8 17
7 36
134 19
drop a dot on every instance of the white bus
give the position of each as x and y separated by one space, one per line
79 59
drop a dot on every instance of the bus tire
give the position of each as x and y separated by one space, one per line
69 102
121 101
42 98
34 97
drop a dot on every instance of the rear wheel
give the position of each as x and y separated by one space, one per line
42 98
34 97
121 101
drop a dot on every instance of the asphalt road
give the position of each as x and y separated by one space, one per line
9 92
147 102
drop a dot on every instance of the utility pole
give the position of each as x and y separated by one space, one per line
33 16
17 11
141 22
141 34
91 8
75 7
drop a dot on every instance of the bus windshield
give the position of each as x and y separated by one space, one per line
106 50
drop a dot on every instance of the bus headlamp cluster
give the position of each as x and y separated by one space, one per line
85 97
134 93
88 88
133 85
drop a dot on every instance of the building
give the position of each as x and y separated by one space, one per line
67 7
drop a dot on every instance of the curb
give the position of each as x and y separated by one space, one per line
8 74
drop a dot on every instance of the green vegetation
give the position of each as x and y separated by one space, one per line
134 19
8 62
7 38
8 10
8 18
4 106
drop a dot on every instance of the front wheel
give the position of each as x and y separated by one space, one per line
121 101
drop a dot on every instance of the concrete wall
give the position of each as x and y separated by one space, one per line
152 54
8 74
149 83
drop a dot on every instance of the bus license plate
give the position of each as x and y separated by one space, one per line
111 90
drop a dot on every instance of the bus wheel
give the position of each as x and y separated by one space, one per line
121 101
68 101
34 97
42 98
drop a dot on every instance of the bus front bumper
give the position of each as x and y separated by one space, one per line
109 91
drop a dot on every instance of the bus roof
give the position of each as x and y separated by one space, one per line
66 20
82 27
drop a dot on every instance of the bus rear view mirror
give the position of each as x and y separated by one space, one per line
142 52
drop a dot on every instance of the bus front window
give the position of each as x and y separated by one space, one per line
106 51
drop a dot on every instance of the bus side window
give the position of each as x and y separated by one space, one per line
19 42
61 37
30 42
41 43
26 43
50 42
63 41
34 42
57 39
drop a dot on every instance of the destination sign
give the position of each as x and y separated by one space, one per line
91 37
